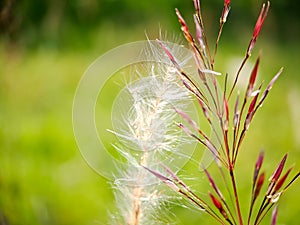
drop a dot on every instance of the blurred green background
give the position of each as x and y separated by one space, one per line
45 47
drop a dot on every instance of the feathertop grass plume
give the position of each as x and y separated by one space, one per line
149 136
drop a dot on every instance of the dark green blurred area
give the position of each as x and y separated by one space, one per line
72 23
45 47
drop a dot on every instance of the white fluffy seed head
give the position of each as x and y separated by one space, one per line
138 204
148 123
148 136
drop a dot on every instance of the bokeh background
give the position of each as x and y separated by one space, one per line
45 47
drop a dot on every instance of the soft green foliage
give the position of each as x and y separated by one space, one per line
61 23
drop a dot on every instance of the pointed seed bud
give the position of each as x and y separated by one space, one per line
259 184
275 176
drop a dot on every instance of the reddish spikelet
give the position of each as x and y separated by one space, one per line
205 64
259 184
184 27
259 161
282 180
223 20
169 171
214 151
188 119
204 109
275 176
225 12
172 185
218 205
175 177
168 53
274 216
258 165
226 114
199 33
251 110
236 112
213 184
207 143
259 23
216 202
197 6
253 102
188 86
262 16
202 76
185 129
158 175
252 78
164 179
269 87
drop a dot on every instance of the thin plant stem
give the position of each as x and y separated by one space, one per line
238 74
237 204
217 42
261 217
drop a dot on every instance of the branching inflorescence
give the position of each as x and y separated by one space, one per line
233 124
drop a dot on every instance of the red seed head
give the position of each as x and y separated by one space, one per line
225 12
275 176
184 27
226 2
216 202
180 18
259 160
253 102
251 110
219 206
259 184
259 23
258 166
252 78
282 180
